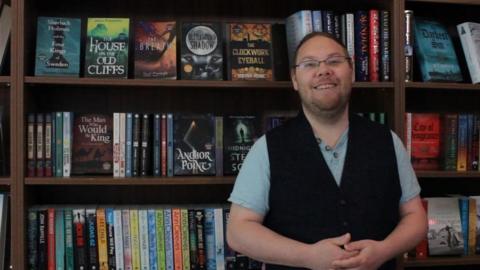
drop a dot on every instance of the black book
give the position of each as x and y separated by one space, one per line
136 126
239 134
42 239
92 242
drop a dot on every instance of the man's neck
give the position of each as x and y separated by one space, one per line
328 130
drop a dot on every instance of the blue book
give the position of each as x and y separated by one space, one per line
152 239
58 47
435 53
168 238
59 239
463 204
110 237
361 30
210 251
128 145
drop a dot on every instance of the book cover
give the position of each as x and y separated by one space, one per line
156 50
194 144
469 33
58 47
425 141
201 51
106 53
250 51
239 134
444 226
92 144
435 53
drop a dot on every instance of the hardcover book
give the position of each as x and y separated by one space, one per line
435 53
201 52
469 33
194 144
92 144
58 47
106 54
239 134
425 141
156 50
250 51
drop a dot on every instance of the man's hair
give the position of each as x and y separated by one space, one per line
318 34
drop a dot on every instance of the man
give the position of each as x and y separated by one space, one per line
352 204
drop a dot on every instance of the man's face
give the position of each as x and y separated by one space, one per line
324 90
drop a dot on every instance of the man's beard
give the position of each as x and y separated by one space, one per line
329 114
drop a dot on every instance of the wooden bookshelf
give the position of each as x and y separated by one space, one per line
137 181
442 261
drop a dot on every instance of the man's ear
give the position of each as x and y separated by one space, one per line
294 79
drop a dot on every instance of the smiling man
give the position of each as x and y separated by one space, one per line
328 189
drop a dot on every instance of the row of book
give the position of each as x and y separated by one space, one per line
141 144
443 141
201 55
453 227
429 41
366 34
157 237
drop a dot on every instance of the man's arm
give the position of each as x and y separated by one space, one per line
247 235
411 229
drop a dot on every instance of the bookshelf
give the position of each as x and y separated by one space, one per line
26 93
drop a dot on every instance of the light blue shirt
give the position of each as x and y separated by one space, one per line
251 189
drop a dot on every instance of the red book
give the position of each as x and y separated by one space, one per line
51 239
426 141
374 47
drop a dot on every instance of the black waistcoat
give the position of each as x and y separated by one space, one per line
305 202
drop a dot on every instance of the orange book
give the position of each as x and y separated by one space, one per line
102 239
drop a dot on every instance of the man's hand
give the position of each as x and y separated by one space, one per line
324 252
370 256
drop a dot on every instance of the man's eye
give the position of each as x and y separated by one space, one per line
310 64
334 61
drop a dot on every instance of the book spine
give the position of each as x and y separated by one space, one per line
350 38
185 239
177 239
219 239
51 239
361 46
317 20
128 146
328 21
374 46
32 235
80 237
463 204
143 239
31 145
59 144
91 219
192 234
127 240
48 145
102 239
408 47
122 134
67 143
40 149
152 239
160 239
157 145
297 26
42 239
53 144
450 124
111 249
145 146
199 224
384 45
136 145
116 144
170 144
210 239
118 237
168 238
468 45
219 145
462 142
135 238
59 239
472 225
164 144
408 133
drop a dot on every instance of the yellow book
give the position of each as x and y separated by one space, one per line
102 239
135 238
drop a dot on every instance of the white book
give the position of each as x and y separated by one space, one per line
67 143
122 136
143 236
469 33
219 244
116 144
118 237
350 38
127 240
5 29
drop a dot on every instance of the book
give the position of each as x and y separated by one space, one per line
239 134
106 53
92 151
58 47
361 45
201 51
408 46
80 236
5 29
425 141
435 53
249 51
194 144
444 226
469 33
156 50
297 26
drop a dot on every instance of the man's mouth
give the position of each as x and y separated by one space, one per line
324 86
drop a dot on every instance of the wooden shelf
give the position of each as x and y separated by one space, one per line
440 86
180 83
5 79
447 174
442 261
144 181
4 181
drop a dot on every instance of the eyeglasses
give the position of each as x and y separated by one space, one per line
332 61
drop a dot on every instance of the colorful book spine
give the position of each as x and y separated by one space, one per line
111 248
160 228
361 46
128 146
102 239
152 239
135 237
116 144
118 236
91 219
156 145
462 149
185 239
177 239
168 238
210 253
59 239
59 144
384 45
170 153
80 236
67 143
122 134
143 239
40 147
51 260
374 45
127 240
192 234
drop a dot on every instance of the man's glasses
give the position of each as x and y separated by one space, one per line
332 61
